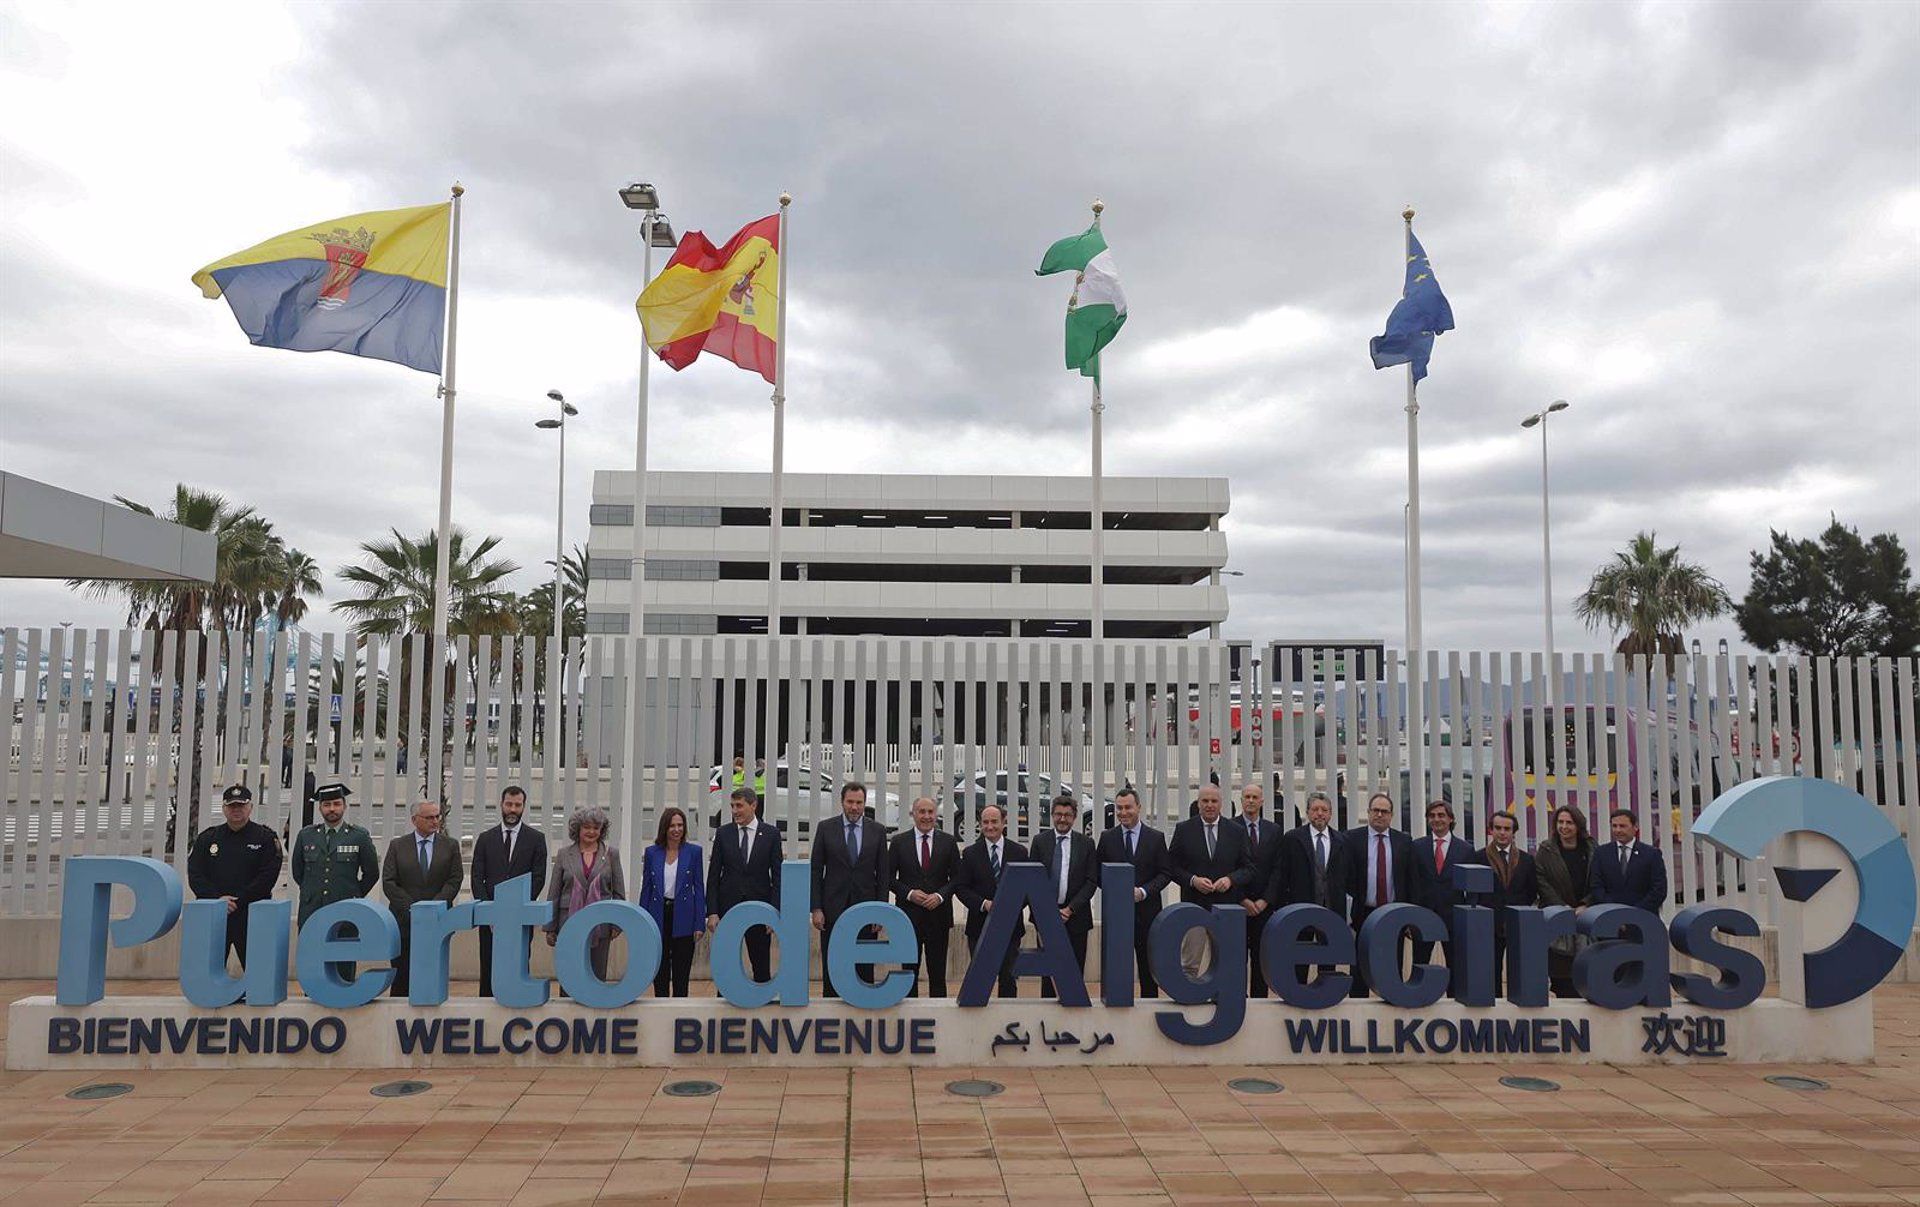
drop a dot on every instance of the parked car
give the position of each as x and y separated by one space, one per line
1027 797
811 792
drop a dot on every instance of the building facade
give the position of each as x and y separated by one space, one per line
909 555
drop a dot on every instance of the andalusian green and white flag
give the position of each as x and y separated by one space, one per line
1097 308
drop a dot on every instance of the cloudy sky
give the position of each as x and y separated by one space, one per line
1699 223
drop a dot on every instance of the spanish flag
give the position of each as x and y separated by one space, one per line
368 284
724 300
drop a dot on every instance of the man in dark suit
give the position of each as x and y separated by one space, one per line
422 866
1212 865
1514 883
981 866
1627 871
501 853
850 865
1311 867
1263 845
1133 841
746 867
1434 858
1067 854
1379 871
926 862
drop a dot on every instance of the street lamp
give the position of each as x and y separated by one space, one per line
1539 419
559 518
655 231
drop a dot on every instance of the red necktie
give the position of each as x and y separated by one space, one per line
1439 854
1380 869
925 858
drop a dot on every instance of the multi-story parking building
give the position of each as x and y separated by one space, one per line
912 555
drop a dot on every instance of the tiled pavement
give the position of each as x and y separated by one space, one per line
1361 1134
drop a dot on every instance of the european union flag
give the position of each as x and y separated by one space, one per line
1421 313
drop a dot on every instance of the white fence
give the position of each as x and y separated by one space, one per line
118 738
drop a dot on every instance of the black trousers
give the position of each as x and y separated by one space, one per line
1078 938
935 934
760 952
486 957
1008 987
1360 970
1423 949
863 971
1256 979
237 934
403 963
1560 972
676 958
1143 955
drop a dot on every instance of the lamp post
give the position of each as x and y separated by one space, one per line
655 231
560 518
1539 419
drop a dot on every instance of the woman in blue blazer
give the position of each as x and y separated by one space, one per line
673 889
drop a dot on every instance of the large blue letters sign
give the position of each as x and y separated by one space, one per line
1746 818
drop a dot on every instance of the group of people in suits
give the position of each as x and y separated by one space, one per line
1212 859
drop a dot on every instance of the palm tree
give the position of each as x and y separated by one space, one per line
396 597
299 577
249 566
396 584
536 606
1652 594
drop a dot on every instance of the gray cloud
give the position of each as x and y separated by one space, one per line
1701 224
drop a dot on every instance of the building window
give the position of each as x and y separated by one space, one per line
668 570
616 515
673 516
600 568
680 624
609 622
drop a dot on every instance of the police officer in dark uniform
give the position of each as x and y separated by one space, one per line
237 862
333 860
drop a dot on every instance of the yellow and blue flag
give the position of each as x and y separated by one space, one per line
1421 313
370 284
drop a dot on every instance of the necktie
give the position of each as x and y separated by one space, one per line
1209 842
511 833
926 852
1439 854
993 859
1379 869
423 854
853 843
1500 864
1623 856
1060 847
1320 850
1129 844
746 843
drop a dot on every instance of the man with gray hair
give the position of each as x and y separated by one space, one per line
423 865
1311 868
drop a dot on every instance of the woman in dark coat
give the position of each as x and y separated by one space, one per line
1564 865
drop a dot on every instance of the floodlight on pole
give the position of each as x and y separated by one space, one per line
640 196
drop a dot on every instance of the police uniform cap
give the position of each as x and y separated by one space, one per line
332 791
236 792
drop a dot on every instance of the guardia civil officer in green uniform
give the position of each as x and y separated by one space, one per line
237 861
332 859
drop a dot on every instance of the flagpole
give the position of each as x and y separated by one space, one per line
1098 569
779 431
1416 718
442 570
